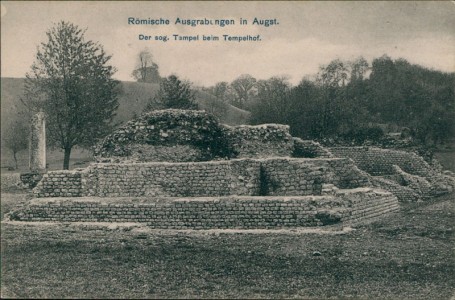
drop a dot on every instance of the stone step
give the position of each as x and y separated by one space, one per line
235 212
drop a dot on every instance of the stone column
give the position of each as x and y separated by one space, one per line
37 150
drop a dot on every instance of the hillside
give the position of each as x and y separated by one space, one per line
135 96
11 92
132 99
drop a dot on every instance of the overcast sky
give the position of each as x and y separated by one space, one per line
309 34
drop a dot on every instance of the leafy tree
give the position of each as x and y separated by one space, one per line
173 93
223 95
243 88
335 74
332 80
221 91
273 102
359 68
15 138
413 96
384 93
146 70
71 82
306 111
343 102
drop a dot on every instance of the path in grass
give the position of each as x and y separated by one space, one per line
406 256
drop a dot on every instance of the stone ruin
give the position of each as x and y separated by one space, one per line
407 175
183 170
37 145
37 153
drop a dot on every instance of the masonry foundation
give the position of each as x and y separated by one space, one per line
345 208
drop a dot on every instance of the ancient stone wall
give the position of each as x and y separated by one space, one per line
309 149
177 179
379 162
222 212
285 176
417 183
266 140
276 176
366 205
60 184
403 193
166 135
186 135
408 170
218 178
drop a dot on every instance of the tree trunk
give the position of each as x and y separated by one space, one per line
66 158
15 158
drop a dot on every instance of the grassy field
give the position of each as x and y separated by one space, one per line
447 159
80 158
406 256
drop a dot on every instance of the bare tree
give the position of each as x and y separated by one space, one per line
146 70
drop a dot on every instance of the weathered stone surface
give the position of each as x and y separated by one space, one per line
403 193
30 180
343 208
166 135
280 176
37 145
59 184
186 135
379 162
406 169
274 180
266 140
309 149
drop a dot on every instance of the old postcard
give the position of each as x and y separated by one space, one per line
218 149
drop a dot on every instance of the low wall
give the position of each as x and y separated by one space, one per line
166 135
60 184
403 193
175 135
366 205
266 140
306 176
309 149
220 178
237 177
417 183
274 176
408 170
379 162
223 212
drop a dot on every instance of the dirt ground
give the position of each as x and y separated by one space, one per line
408 255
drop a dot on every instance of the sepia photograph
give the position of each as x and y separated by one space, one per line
227 150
